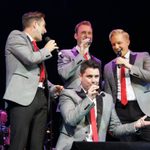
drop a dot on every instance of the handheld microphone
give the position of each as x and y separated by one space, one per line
102 94
47 39
89 42
119 54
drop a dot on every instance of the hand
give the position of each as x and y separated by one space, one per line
51 45
141 123
93 91
58 89
123 61
84 46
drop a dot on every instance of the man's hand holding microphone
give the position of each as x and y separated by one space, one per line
122 61
93 91
84 46
51 44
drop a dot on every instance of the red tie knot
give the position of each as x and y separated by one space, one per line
35 45
86 56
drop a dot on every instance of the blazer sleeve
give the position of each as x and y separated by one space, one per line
107 78
73 109
117 128
20 47
141 68
68 63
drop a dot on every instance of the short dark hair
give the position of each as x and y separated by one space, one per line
29 17
89 64
88 23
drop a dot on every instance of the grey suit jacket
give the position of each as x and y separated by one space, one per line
69 62
140 79
76 126
22 70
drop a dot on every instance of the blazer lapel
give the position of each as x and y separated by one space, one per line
81 93
75 51
114 69
99 101
30 43
46 74
132 58
114 77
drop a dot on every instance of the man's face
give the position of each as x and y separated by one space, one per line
89 77
119 41
40 29
84 32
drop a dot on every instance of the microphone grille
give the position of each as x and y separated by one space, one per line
47 39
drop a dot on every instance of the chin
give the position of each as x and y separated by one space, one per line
40 39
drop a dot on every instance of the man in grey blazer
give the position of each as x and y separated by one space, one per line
137 77
75 106
69 60
27 93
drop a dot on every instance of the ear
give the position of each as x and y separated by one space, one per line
128 42
80 76
34 24
75 36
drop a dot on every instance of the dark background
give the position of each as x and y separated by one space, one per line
62 16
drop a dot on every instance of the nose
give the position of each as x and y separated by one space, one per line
116 47
94 81
45 31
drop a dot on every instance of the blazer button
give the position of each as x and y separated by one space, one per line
86 132
47 55
38 74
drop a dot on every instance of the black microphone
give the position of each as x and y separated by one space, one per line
87 41
119 54
102 94
90 42
47 39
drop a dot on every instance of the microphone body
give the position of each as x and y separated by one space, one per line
90 42
119 54
87 41
47 39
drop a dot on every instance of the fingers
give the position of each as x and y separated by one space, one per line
144 123
51 45
93 91
144 117
84 44
141 123
59 87
86 41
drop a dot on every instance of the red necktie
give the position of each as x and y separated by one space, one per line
124 100
42 70
86 56
93 125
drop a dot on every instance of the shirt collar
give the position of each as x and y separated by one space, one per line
29 36
127 55
83 89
